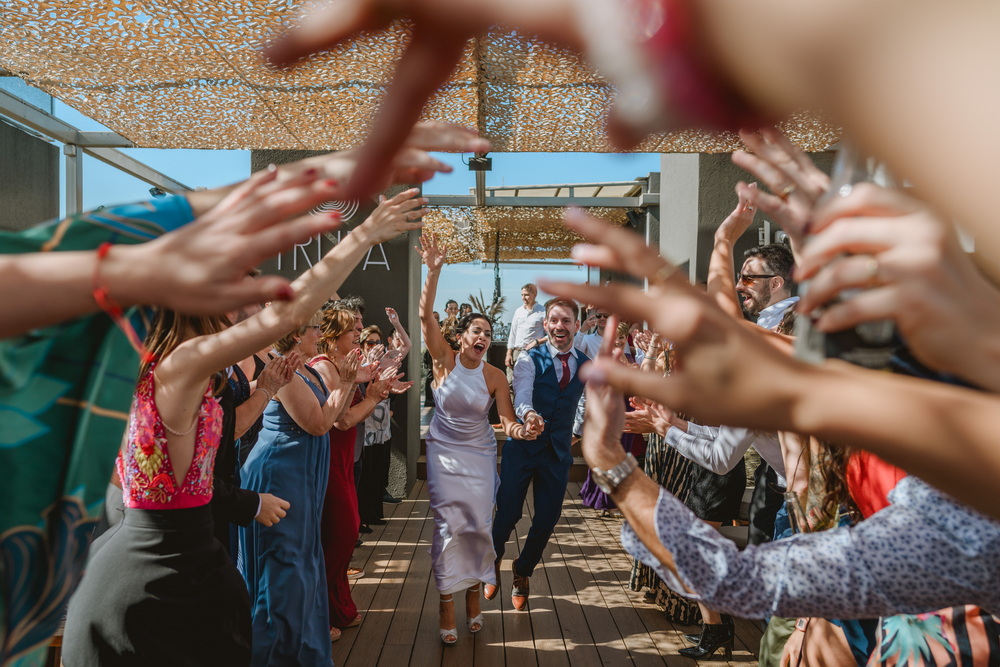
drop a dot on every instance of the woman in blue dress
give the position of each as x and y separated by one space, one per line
283 564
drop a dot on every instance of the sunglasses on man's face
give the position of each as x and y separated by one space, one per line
601 316
746 279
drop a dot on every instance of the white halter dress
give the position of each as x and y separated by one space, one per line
462 480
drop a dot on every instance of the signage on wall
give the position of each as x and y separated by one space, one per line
312 250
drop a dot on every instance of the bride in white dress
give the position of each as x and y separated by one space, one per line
462 451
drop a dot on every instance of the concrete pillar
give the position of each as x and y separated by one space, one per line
679 185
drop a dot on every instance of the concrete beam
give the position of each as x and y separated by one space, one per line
97 144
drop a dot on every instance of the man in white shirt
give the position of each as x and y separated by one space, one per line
764 284
590 343
526 325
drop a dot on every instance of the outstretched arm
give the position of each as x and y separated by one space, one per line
720 266
208 259
404 338
433 255
731 376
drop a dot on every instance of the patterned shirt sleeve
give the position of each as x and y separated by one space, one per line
924 552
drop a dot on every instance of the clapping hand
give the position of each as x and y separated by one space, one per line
348 367
278 372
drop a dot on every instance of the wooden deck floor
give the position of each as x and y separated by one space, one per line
581 610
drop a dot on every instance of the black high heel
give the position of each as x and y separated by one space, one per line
696 638
713 637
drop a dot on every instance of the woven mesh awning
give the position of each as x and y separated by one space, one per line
525 233
187 74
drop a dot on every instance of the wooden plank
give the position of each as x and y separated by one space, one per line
610 644
607 532
386 576
581 612
368 556
409 608
577 639
518 644
666 637
633 632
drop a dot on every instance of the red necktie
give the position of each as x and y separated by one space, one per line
564 380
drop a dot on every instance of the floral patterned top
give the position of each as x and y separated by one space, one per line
148 480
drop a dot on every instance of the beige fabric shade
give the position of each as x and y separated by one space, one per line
187 74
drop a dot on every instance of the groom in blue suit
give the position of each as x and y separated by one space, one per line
546 392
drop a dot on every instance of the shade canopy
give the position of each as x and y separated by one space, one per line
188 74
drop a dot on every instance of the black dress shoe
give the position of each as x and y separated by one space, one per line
693 639
364 529
713 637
377 522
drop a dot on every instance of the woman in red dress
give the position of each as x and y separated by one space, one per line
340 335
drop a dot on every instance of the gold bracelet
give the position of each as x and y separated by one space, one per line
269 396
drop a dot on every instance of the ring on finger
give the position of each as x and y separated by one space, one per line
871 267
664 274
787 191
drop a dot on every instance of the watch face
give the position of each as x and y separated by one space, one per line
602 481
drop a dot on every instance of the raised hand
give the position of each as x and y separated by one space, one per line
393 317
413 163
396 216
432 254
737 222
718 373
641 339
796 183
382 386
605 418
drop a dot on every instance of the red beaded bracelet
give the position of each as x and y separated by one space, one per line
117 314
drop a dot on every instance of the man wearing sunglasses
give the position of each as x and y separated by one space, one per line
590 343
764 284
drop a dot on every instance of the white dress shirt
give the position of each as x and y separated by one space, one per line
526 325
721 449
589 344
771 316
524 378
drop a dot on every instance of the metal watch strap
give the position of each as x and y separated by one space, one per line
615 476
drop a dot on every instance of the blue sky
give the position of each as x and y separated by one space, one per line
211 168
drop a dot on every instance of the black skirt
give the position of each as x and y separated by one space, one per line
160 591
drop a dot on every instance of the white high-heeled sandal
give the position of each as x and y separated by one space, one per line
448 637
469 622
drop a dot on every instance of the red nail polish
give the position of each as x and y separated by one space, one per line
310 172
330 183
286 293
334 214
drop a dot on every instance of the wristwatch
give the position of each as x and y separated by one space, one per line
609 480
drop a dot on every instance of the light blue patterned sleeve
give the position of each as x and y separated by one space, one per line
922 553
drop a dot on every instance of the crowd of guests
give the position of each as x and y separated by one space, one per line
875 517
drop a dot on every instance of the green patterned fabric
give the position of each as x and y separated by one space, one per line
64 401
